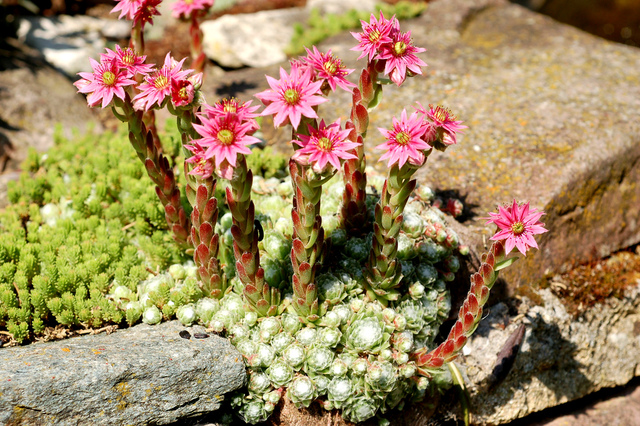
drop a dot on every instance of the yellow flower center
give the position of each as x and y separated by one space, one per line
399 48
374 36
330 67
230 107
402 138
183 93
517 228
188 2
291 96
129 57
108 78
161 82
325 144
225 136
442 113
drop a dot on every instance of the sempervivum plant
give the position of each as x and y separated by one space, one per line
332 286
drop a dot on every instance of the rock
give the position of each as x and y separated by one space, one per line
256 39
562 357
544 126
340 6
34 98
68 41
138 376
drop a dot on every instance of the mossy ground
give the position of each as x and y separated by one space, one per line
591 283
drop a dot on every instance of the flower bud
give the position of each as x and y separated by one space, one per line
423 383
425 193
226 221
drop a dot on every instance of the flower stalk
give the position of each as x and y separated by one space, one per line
260 297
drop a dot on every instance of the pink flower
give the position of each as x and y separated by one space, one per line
517 225
128 60
182 92
404 142
444 122
327 144
185 8
400 56
291 97
374 34
245 112
225 137
157 87
145 12
330 69
105 82
127 8
202 166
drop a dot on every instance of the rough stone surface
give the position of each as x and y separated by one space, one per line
340 6
256 39
68 41
561 359
544 125
138 376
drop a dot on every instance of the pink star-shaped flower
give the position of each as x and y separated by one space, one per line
157 87
224 137
375 33
244 111
145 12
291 97
517 225
128 60
202 166
404 142
127 8
185 8
330 69
324 145
399 56
105 82
444 122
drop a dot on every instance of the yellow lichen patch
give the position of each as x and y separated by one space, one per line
65 349
124 391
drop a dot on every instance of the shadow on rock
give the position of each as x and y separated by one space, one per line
545 356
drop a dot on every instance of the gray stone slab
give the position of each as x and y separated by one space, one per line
562 357
137 376
553 116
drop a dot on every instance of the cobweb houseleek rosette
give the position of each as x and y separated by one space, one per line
406 152
112 84
517 225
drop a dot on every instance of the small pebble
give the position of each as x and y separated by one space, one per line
185 334
200 335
